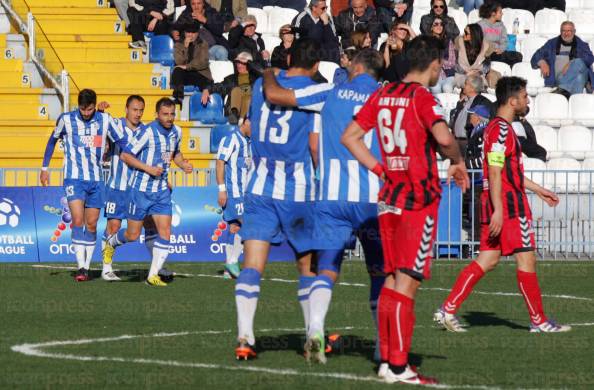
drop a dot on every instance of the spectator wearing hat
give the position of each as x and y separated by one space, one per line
212 26
151 16
244 38
281 52
191 64
238 87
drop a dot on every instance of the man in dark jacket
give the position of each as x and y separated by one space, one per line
244 38
148 15
358 17
316 24
565 62
212 27
389 11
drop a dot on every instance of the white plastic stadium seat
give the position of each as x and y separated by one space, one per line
581 109
459 17
448 101
573 4
501 67
526 19
546 137
534 164
583 20
270 42
575 141
415 21
261 18
220 70
563 181
587 178
327 70
547 22
552 109
490 96
530 45
473 16
425 4
585 4
442 168
536 84
381 39
278 16
178 11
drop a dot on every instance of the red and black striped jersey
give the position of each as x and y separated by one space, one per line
404 114
502 149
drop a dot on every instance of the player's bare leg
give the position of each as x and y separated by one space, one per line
247 292
112 227
530 290
486 261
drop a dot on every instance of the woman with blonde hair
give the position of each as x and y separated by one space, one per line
280 53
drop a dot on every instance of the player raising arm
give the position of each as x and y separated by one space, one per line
506 217
159 144
410 126
84 132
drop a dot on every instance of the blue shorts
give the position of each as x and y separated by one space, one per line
271 220
142 204
116 203
233 210
337 225
90 192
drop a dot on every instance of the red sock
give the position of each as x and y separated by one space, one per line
401 332
469 276
385 317
528 286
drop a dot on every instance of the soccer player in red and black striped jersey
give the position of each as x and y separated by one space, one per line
505 214
411 127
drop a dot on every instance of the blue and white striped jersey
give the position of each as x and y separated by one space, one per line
342 178
283 168
119 172
234 150
84 142
156 146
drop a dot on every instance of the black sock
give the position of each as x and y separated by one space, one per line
397 369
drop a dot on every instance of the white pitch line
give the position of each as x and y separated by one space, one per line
496 293
29 349
584 324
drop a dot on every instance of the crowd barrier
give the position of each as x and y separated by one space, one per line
35 222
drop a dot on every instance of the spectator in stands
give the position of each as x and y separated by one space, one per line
121 7
470 97
230 10
446 81
472 51
148 15
527 137
191 64
211 28
470 5
244 38
496 34
479 117
565 62
280 53
238 87
439 8
315 23
358 17
391 11
341 74
360 39
395 61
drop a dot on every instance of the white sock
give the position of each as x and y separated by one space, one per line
81 256
303 297
320 295
160 253
228 253
247 292
89 249
236 249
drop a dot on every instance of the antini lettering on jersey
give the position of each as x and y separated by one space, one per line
388 101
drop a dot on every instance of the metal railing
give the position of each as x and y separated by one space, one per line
46 58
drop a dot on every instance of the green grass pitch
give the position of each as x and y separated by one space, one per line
183 336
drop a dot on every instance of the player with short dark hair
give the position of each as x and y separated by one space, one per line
157 143
506 218
84 132
411 126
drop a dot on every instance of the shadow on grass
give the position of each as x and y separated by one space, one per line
478 318
128 276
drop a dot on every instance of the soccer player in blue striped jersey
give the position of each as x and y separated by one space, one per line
158 144
116 192
347 191
84 133
234 159
280 189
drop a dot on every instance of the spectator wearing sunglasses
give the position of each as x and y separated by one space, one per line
446 82
439 8
315 23
395 61
359 16
281 52
244 38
